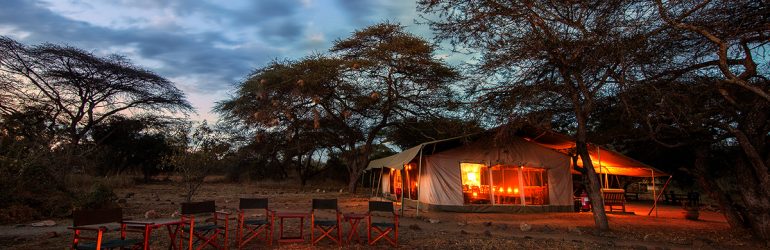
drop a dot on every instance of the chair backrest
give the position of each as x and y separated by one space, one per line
324 204
96 216
252 203
381 206
200 207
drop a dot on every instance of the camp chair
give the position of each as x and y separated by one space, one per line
205 232
92 220
383 228
326 226
254 227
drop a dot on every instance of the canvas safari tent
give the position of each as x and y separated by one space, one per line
530 171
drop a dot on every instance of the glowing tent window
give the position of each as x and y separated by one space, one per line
474 181
512 184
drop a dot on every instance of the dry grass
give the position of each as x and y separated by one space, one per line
454 231
113 181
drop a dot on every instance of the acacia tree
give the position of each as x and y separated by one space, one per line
716 47
281 102
379 75
545 55
402 79
80 89
197 153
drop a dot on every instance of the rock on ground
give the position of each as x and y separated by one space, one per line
525 227
45 223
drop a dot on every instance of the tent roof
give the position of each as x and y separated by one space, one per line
397 161
604 160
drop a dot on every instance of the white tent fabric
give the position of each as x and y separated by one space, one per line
385 182
396 161
441 180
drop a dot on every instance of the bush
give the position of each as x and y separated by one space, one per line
18 213
100 196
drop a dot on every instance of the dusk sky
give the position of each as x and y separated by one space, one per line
204 46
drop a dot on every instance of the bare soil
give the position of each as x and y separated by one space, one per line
669 230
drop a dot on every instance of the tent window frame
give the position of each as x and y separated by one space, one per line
483 174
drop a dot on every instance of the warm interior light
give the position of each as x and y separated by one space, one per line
472 178
500 190
515 190
510 190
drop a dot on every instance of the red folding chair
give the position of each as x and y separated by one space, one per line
97 220
327 226
201 231
250 226
383 229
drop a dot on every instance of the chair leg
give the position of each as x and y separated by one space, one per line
99 240
239 234
227 236
339 234
395 235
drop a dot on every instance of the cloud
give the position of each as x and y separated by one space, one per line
174 54
202 45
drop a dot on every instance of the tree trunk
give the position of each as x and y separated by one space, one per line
355 172
755 198
357 162
732 212
594 189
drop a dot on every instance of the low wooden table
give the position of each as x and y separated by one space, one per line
354 219
292 215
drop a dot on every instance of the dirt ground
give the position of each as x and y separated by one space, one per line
448 231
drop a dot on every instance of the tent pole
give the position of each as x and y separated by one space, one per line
408 181
402 192
419 175
522 188
491 185
655 202
502 179
662 191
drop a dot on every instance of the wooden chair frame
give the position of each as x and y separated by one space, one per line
251 231
210 236
614 197
382 232
326 230
88 220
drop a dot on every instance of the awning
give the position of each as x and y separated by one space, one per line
604 160
397 161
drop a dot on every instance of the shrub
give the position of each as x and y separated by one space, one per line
18 213
100 196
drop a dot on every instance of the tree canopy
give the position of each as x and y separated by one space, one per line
78 89
342 102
